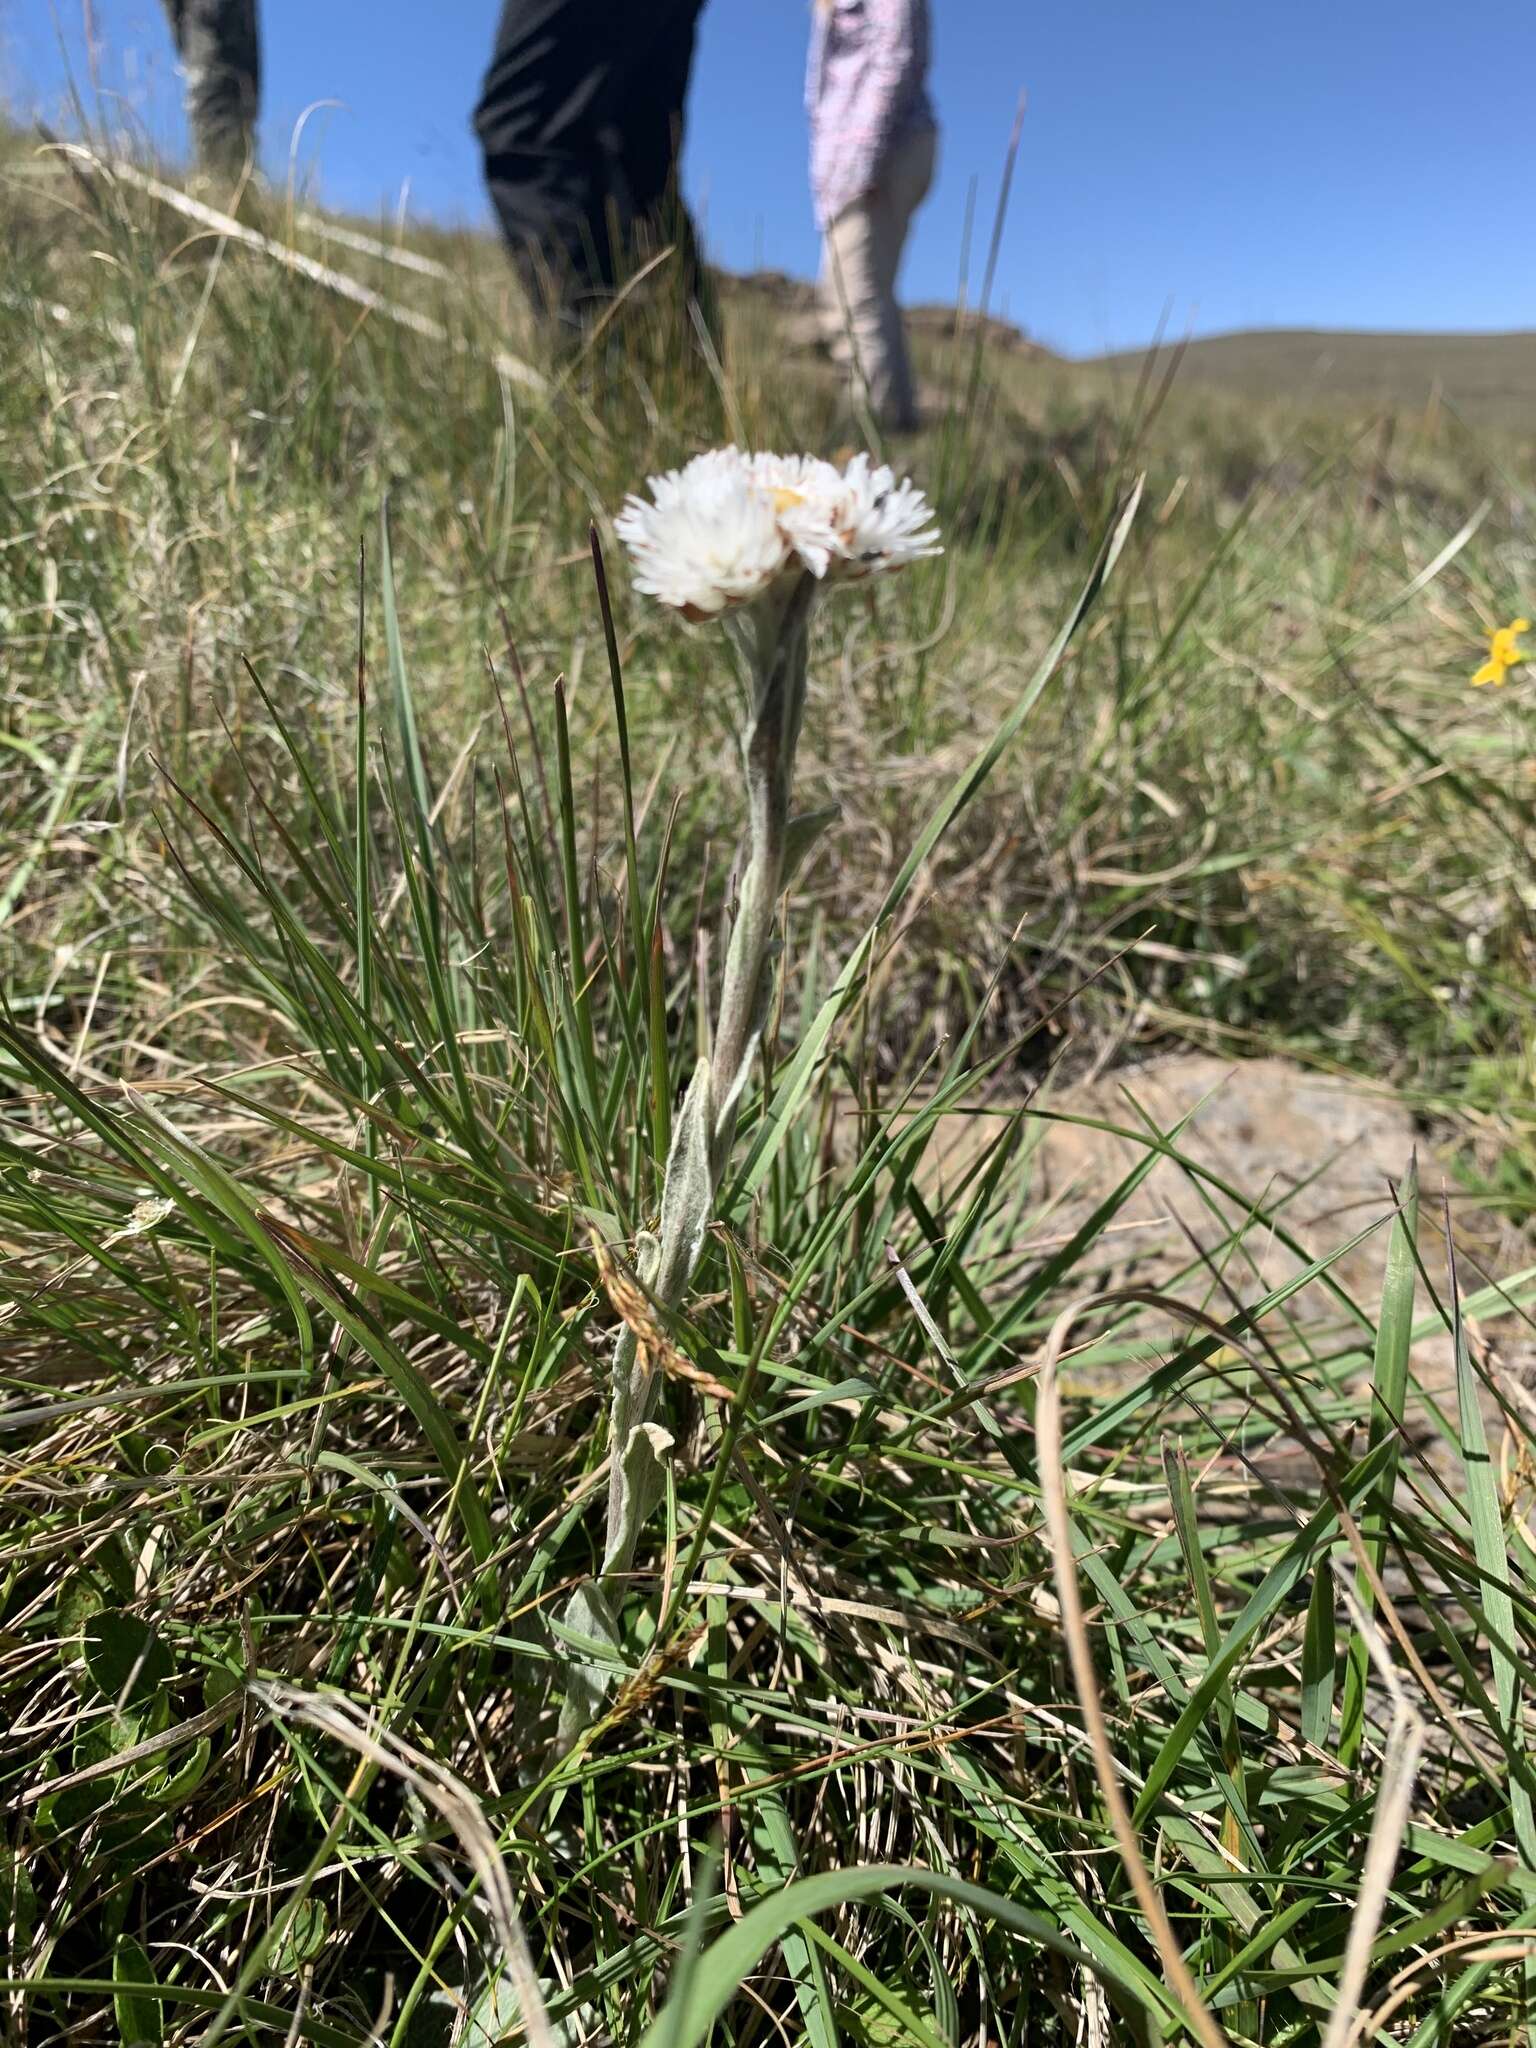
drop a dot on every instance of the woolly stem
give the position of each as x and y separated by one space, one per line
773 642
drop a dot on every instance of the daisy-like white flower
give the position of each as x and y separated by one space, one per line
710 538
881 524
807 496
730 530
718 532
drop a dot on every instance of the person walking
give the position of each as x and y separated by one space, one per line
220 52
874 140
580 124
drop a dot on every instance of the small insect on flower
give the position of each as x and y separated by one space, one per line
1504 652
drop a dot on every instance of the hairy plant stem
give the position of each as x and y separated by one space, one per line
772 641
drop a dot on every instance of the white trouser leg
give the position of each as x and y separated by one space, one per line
861 261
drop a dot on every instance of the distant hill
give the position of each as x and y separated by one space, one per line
1489 378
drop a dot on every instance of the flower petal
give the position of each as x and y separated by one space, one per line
708 539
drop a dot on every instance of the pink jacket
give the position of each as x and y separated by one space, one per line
865 92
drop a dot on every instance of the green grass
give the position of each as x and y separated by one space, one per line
344 1020
1487 379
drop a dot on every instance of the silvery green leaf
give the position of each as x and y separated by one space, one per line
497 2015
688 1194
589 1620
627 1376
633 1392
636 1494
492 2010
725 1117
800 837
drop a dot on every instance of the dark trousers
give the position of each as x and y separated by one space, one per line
217 43
580 121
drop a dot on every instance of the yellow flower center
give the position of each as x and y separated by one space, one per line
783 497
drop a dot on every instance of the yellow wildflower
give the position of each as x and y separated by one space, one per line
1504 652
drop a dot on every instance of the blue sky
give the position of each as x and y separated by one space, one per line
1339 163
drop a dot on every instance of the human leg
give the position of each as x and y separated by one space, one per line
220 51
579 123
852 305
548 167
861 263
906 185
658 67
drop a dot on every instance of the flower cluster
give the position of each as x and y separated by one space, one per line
718 532
1504 652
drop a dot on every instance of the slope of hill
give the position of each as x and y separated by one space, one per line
367 865
1490 378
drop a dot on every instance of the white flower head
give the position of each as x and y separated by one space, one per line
881 524
724 528
806 494
710 538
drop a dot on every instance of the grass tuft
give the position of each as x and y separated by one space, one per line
1018 1652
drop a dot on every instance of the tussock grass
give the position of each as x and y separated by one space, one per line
345 1018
